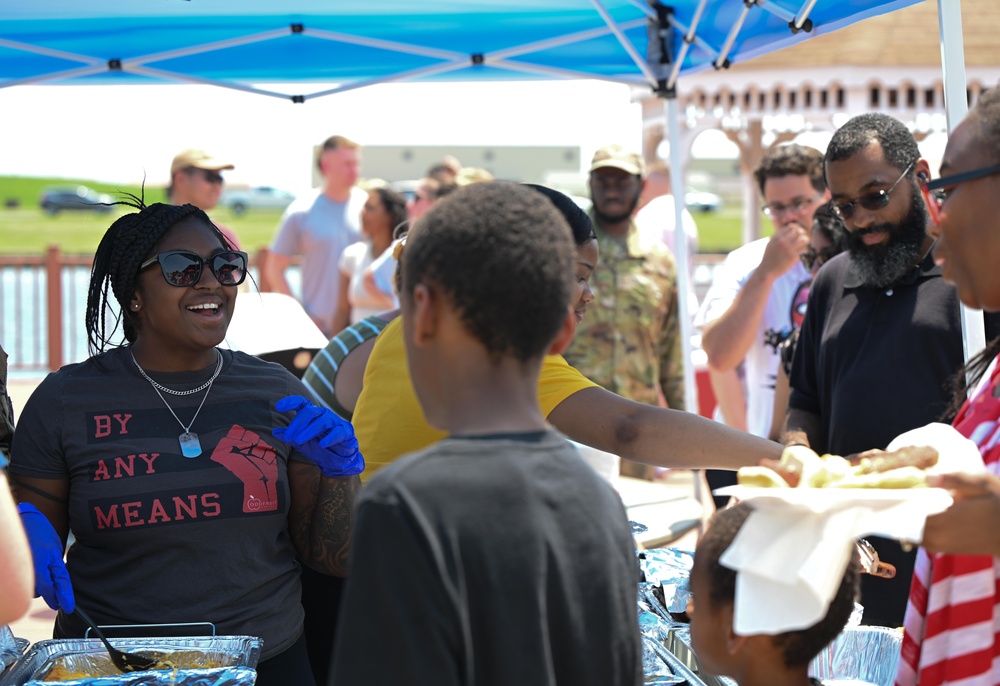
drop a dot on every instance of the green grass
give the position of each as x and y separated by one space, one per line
719 232
26 230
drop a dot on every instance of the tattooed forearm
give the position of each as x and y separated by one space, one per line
332 522
321 518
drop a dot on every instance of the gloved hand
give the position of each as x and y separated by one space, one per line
321 435
51 576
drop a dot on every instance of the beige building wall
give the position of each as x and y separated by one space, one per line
533 164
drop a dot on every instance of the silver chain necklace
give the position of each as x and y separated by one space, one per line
164 389
190 445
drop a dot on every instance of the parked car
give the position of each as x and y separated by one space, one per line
701 201
239 200
56 199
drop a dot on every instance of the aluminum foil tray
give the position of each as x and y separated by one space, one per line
227 652
867 654
220 676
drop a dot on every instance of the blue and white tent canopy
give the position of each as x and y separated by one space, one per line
245 43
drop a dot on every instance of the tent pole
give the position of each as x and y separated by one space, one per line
956 105
678 187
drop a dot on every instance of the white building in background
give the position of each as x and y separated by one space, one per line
890 63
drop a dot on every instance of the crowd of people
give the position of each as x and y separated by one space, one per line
411 509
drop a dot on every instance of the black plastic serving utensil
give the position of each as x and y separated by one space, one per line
126 662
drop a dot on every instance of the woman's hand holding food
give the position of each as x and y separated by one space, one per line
51 577
321 435
968 526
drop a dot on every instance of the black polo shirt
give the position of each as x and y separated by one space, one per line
874 363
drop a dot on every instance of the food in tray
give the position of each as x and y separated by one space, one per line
801 467
89 665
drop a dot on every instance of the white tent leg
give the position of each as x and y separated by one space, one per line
956 107
678 182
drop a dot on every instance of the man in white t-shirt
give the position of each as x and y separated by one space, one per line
318 226
747 311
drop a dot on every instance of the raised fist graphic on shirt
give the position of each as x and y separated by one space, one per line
253 462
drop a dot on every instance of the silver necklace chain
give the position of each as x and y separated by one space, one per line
161 387
156 387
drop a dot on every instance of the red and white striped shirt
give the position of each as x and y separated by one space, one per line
952 626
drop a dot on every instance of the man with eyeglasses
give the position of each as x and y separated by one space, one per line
196 179
882 337
747 312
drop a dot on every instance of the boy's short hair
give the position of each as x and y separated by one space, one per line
503 255
801 646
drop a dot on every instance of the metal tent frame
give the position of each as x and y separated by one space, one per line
246 45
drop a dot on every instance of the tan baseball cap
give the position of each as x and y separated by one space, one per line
617 157
198 159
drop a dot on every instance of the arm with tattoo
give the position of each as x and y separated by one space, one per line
321 517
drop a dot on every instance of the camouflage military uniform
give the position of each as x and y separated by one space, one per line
629 340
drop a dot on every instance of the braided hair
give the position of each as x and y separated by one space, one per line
116 265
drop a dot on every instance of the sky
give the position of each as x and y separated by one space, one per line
123 133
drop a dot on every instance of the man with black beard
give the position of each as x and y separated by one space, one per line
629 340
882 337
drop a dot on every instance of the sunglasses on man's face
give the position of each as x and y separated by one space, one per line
212 177
183 268
873 202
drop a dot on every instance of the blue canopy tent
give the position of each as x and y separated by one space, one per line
249 44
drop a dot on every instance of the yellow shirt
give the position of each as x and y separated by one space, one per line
388 420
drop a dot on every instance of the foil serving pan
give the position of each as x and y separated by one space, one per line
868 654
197 655
679 645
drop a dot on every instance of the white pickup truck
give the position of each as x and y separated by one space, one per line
239 200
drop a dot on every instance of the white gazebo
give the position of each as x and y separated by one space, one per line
890 63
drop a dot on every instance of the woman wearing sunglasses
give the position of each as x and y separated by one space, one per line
190 476
953 619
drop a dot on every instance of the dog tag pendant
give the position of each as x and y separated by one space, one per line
190 445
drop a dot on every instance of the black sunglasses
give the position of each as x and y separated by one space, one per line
183 267
947 182
816 258
872 202
209 175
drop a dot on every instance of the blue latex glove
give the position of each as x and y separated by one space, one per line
321 435
51 576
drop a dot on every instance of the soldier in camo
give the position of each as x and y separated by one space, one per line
629 341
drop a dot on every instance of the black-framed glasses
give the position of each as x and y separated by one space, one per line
814 259
872 202
182 268
797 205
944 184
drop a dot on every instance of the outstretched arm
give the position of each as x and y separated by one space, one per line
656 436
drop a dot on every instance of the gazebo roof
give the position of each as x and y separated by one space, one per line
907 37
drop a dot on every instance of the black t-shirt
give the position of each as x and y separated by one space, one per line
490 561
159 537
874 363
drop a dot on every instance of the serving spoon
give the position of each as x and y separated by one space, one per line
126 662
